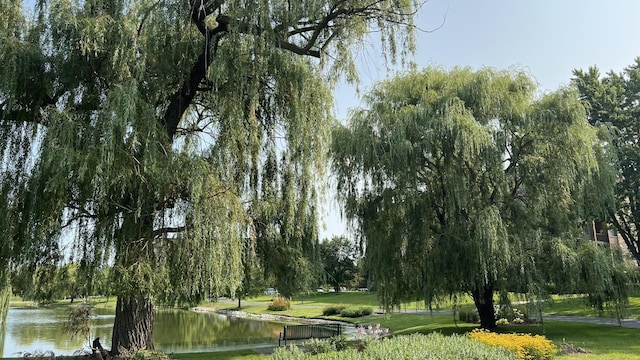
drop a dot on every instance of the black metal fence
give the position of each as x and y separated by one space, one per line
303 332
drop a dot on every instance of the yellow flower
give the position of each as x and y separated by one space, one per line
526 346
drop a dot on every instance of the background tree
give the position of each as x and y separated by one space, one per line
338 257
465 182
613 101
147 126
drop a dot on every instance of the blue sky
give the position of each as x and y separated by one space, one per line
546 38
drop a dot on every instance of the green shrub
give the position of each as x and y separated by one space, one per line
339 342
356 311
469 316
332 310
279 304
433 346
320 346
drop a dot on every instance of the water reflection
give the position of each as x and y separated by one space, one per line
185 331
40 329
29 330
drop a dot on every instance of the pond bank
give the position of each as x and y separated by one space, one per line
266 317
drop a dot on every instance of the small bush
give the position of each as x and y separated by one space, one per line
279 304
502 321
332 310
356 311
339 342
469 316
318 346
526 346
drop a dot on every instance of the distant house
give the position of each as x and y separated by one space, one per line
605 235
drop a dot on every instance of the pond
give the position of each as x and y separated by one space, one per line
41 329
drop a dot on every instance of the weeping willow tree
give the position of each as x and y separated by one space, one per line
467 182
158 136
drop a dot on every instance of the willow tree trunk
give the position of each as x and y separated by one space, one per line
483 299
5 291
133 326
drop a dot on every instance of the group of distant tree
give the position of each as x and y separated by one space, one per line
71 281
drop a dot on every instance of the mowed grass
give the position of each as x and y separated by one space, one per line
223 355
295 311
576 305
354 298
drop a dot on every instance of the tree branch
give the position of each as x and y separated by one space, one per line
180 100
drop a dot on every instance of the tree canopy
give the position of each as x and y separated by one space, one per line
613 101
166 137
467 181
338 257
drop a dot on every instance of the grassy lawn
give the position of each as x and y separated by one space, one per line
353 298
223 355
357 298
577 306
302 312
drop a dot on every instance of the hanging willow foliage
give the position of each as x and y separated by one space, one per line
466 181
166 137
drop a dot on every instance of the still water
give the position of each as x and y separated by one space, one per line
41 329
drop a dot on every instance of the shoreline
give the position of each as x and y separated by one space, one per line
267 317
